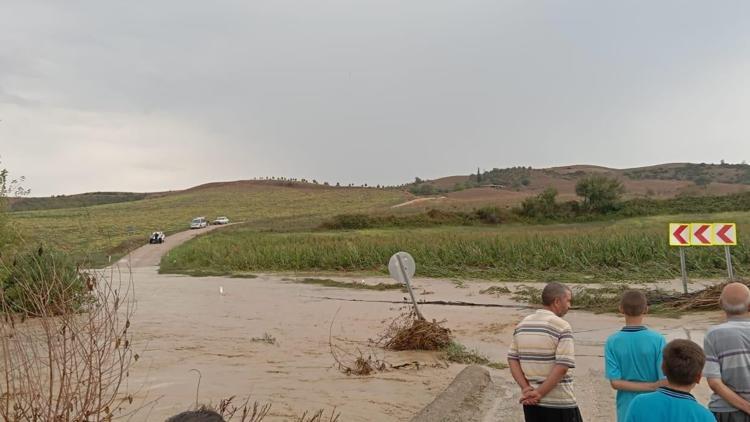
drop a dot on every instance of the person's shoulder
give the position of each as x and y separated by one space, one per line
644 400
719 329
700 410
560 323
651 333
613 338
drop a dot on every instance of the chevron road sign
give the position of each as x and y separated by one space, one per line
679 234
703 234
725 234
700 234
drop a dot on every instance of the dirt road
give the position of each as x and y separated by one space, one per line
184 323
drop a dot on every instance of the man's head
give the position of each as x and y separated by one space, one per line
683 362
556 297
200 415
633 303
735 299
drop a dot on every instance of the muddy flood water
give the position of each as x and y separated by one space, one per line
215 325
184 323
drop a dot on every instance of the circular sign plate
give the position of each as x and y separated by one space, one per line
394 266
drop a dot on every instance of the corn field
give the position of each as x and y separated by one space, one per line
585 254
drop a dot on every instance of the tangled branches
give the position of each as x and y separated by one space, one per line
63 365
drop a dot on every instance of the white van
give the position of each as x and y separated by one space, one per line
199 223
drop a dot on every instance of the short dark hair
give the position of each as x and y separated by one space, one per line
553 291
200 415
683 362
633 302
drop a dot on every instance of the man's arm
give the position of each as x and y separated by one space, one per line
726 393
636 386
518 375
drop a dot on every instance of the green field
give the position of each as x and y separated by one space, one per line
632 249
112 229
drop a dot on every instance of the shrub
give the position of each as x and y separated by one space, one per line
599 193
44 282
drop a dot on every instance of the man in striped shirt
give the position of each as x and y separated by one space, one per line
727 348
540 357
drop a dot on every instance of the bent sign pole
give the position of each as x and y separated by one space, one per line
402 267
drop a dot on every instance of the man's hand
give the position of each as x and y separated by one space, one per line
530 397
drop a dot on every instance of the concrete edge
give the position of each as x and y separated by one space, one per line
461 400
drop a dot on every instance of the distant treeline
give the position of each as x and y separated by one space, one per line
73 201
543 208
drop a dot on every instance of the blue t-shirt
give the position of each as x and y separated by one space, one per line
666 405
633 354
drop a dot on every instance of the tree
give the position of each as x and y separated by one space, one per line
543 205
8 188
479 176
599 193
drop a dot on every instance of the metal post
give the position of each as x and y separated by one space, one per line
730 270
408 285
683 269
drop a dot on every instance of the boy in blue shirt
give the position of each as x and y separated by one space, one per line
632 356
683 364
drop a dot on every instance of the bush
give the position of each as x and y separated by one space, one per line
349 222
600 193
45 282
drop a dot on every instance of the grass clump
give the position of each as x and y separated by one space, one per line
327 282
458 353
266 338
495 290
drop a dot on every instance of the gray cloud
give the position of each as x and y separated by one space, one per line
167 94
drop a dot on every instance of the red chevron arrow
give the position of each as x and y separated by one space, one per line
698 234
678 234
722 233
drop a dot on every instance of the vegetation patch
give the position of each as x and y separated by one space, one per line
458 353
495 290
44 282
266 338
326 282
607 299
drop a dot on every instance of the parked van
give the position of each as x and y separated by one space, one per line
199 223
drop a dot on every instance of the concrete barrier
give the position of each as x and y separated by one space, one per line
462 401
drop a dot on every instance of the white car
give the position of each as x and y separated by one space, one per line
199 223
221 220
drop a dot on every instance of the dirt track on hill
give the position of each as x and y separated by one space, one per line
184 323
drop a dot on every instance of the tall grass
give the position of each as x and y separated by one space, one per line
593 252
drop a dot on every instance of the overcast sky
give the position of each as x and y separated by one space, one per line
149 96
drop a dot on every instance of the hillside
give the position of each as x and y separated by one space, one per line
507 187
75 201
100 230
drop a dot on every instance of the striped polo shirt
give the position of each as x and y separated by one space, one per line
727 348
540 341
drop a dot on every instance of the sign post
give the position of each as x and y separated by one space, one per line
402 267
679 235
683 270
726 234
